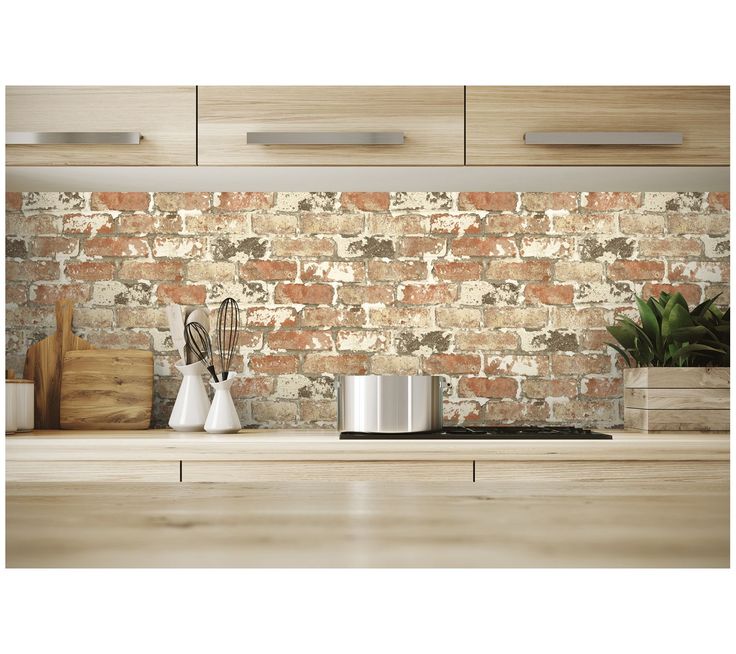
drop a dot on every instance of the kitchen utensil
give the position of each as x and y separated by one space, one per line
44 362
192 404
202 317
22 402
11 420
198 341
228 315
107 389
176 327
389 404
223 416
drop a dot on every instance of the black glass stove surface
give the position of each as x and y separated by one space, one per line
501 432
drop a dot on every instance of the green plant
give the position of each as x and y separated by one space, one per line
670 335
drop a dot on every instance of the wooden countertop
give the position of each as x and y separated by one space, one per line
503 523
325 445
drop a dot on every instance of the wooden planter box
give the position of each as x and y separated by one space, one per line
677 399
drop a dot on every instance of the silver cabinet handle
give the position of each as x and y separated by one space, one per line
72 138
325 138
603 138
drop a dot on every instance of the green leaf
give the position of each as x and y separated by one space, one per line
650 324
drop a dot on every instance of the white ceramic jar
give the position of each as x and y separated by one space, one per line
24 404
11 421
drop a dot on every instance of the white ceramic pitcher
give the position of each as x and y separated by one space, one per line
223 416
192 404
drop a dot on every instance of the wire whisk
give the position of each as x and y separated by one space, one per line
228 316
199 343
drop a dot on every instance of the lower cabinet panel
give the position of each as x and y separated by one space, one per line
604 474
244 471
130 471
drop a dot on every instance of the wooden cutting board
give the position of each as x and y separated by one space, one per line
43 365
107 389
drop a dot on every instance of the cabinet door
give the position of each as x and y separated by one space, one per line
331 125
97 125
78 471
556 119
246 471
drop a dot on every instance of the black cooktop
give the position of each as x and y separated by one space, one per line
546 432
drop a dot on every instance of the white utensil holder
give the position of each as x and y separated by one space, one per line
192 404
223 416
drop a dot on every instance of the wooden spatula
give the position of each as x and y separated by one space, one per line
44 362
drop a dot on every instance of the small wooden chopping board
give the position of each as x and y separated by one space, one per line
43 365
107 389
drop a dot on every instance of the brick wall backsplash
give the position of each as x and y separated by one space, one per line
507 294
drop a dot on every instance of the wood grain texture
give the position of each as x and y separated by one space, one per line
164 115
247 471
502 523
92 471
677 399
44 366
498 117
677 377
430 116
107 389
655 420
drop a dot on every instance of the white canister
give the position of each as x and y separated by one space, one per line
223 417
192 404
11 420
24 404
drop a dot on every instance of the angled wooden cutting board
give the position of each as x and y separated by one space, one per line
44 362
107 389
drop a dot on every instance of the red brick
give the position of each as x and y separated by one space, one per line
339 364
452 364
245 201
274 364
50 246
529 317
579 364
16 293
164 246
18 224
428 293
207 223
578 223
141 317
120 201
483 387
486 341
625 269
304 293
331 223
719 201
396 270
517 270
258 269
418 246
14 201
512 223
211 271
116 246
359 294
602 387
268 317
122 340
545 201
516 412
152 270
700 271
484 246
333 271
458 271
462 412
332 317
31 271
515 364
544 388
300 340
77 223
691 292
143 223
252 387
181 294
384 223
362 340
90 270
487 201
457 224
549 294
365 201
303 247
270 224
186 201
51 293
578 318
672 246
400 317
612 201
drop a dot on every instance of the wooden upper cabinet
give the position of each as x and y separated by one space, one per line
331 125
162 117
499 117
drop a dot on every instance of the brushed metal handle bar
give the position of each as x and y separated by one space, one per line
603 138
72 138
325 138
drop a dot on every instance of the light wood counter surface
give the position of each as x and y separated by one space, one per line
504 523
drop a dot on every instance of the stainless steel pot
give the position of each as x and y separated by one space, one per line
389 404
